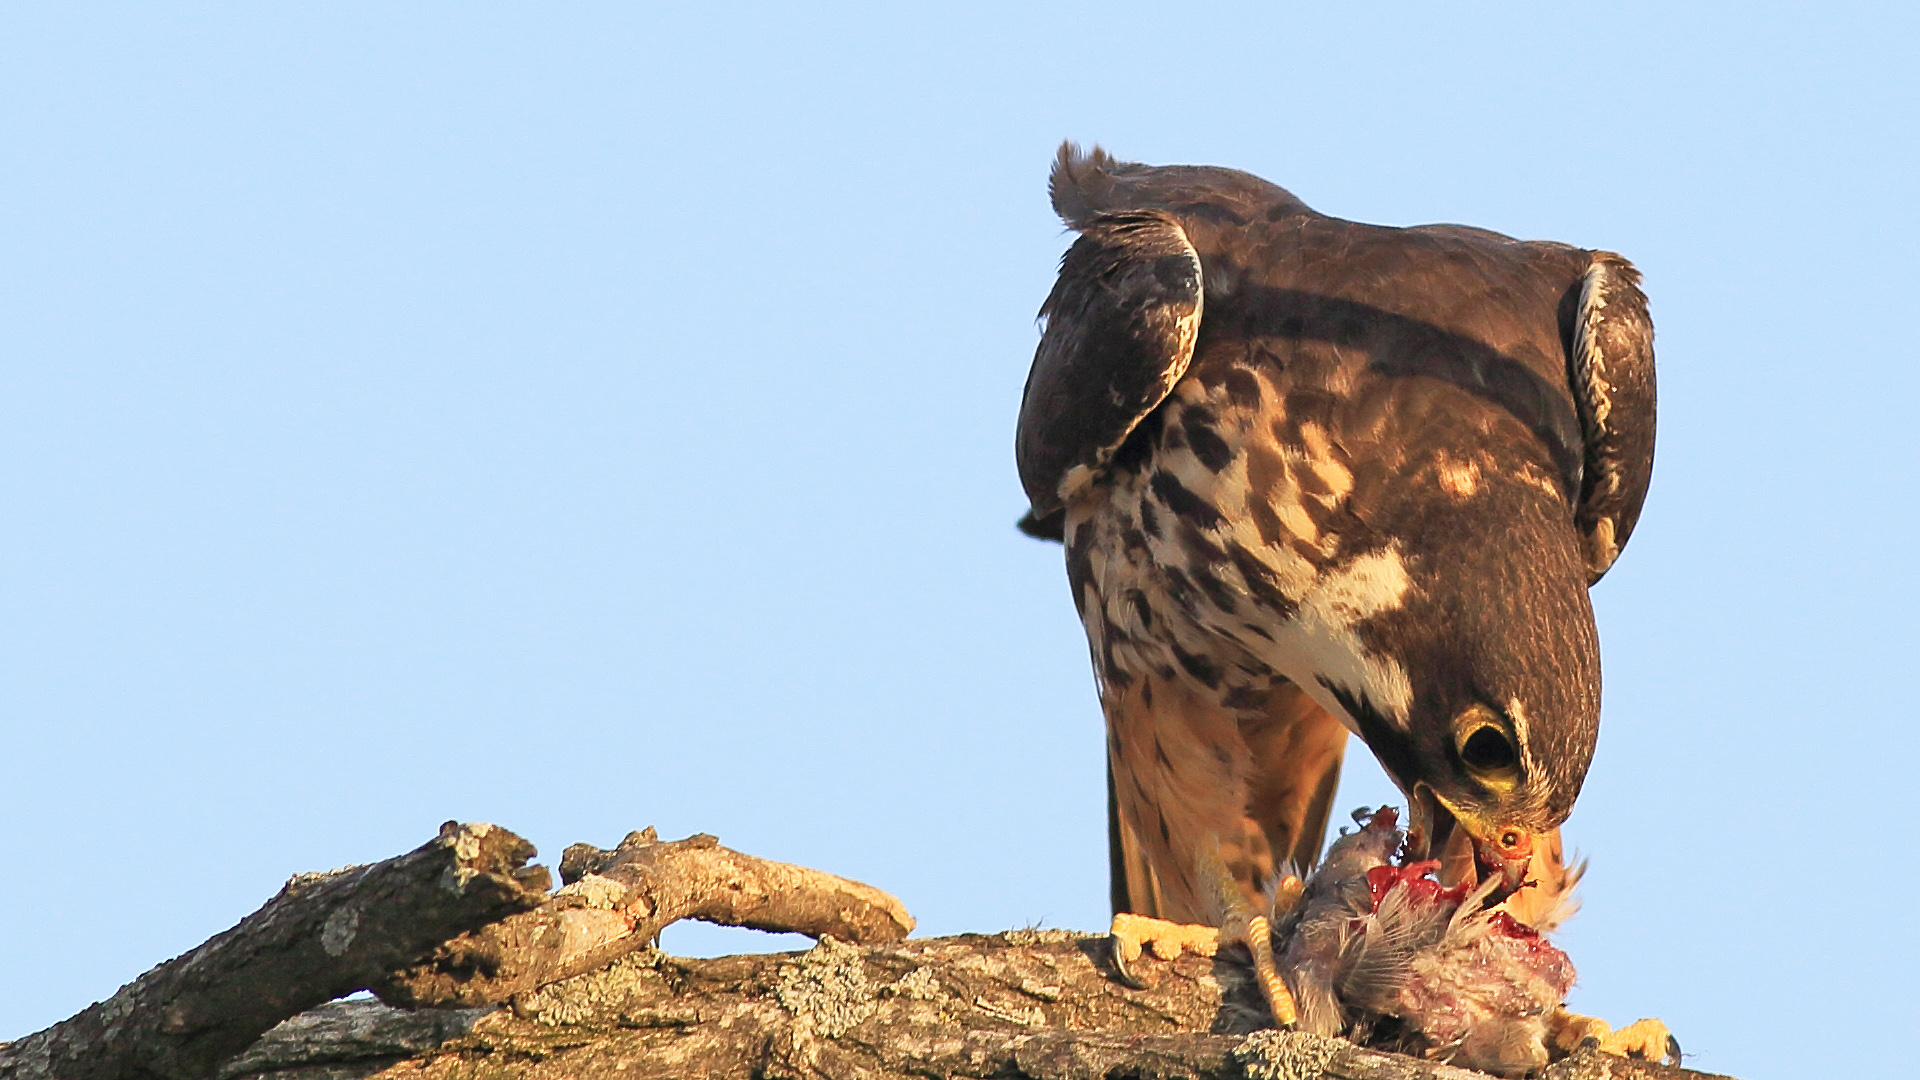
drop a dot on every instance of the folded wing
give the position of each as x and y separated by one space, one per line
1610 364
1120 329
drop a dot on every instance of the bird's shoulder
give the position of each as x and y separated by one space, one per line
1412 342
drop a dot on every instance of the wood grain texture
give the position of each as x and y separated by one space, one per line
618 901
323 937
1024 1004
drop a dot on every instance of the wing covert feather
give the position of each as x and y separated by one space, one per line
1120 328
1610 364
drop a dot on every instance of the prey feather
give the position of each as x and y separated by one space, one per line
1380 952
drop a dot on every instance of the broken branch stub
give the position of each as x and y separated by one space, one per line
323 936
617 901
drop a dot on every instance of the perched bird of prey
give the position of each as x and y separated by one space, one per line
1318 477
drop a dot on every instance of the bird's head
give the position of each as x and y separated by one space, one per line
1479 798
1489 718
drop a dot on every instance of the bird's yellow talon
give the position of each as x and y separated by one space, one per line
1646 1039
1286 895
1133 934
1123 965
1239 925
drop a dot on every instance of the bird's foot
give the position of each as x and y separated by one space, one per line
1251 930
1242 926
1133 934
1647 1039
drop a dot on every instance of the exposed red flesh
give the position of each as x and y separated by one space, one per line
1413 877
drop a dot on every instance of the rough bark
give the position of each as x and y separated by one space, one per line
618 901
1042 1005
589 999
324 936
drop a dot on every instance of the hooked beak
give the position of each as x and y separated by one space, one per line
1505 855
1429 824
1466 846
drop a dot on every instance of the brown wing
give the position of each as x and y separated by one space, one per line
1610 364
1182 770
1464 309
1121 324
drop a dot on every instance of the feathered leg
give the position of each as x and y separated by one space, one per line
1185 770
1205 805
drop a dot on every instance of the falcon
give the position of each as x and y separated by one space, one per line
1316 477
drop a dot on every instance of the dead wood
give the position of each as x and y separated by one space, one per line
324 936
589 998
1042 1005
618 901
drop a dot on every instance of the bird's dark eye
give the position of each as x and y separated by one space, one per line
1488 750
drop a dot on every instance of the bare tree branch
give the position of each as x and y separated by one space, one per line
589 999
1041 1005
618 901
323 936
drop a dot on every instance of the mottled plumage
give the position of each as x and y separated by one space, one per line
1316 476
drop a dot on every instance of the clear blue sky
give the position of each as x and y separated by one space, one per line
599 417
